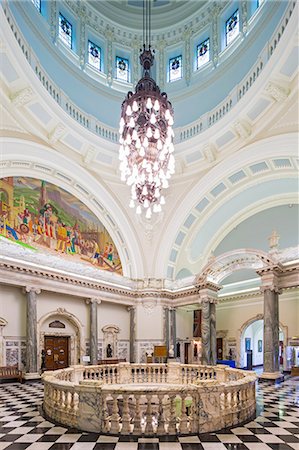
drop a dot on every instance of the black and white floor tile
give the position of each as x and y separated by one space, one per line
276 426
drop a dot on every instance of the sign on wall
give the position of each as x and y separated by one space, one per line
45 217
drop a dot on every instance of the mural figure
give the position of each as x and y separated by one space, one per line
44 217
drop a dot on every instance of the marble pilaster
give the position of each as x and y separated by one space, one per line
205 331
132 311
31 333
93 302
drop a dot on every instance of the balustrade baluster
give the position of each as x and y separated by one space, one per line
137 415
172 415
126 418
148 415
115 416
105 415
161 419
184 417
194 415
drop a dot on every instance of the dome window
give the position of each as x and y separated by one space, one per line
94 55
232 27
203 53
175 68
65 31
37 4
122 69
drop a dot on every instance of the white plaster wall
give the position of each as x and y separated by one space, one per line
233 315
184 324
13 310
111 314
289 312
149 323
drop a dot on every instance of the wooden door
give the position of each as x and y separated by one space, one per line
219 348
56 352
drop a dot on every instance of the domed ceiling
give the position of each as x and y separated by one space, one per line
164 13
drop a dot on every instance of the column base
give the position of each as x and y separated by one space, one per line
273 377
27 376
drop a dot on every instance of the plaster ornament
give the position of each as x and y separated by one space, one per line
277 92
273 239
22 97
57 133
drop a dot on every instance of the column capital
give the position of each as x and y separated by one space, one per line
271 288
270 277
208 299
96 300
34 289
131 308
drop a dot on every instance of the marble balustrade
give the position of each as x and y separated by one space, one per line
149 398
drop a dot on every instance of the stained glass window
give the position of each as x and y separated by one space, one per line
37 4
175 68
203 53
65 30
122 69
232 27
94 55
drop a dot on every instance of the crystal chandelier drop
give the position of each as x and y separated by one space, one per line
146 135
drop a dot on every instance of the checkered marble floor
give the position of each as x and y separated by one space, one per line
276 426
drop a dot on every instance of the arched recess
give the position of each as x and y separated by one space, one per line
242 329
74 330
26 158
224 265
283 146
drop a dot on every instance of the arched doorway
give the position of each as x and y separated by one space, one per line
252 338
63 335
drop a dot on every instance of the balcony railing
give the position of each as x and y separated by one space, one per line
149 399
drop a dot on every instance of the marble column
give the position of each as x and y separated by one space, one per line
205 331
166 326
93 331
270 289
271 331
208 297
213 340
173 329
132 311
31 333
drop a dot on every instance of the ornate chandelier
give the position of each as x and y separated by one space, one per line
146 135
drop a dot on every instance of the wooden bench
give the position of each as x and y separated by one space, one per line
10 372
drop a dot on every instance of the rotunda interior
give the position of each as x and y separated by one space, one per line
210 279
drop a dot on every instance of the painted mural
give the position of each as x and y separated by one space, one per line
42 216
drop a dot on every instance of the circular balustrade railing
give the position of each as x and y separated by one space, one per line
149 399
